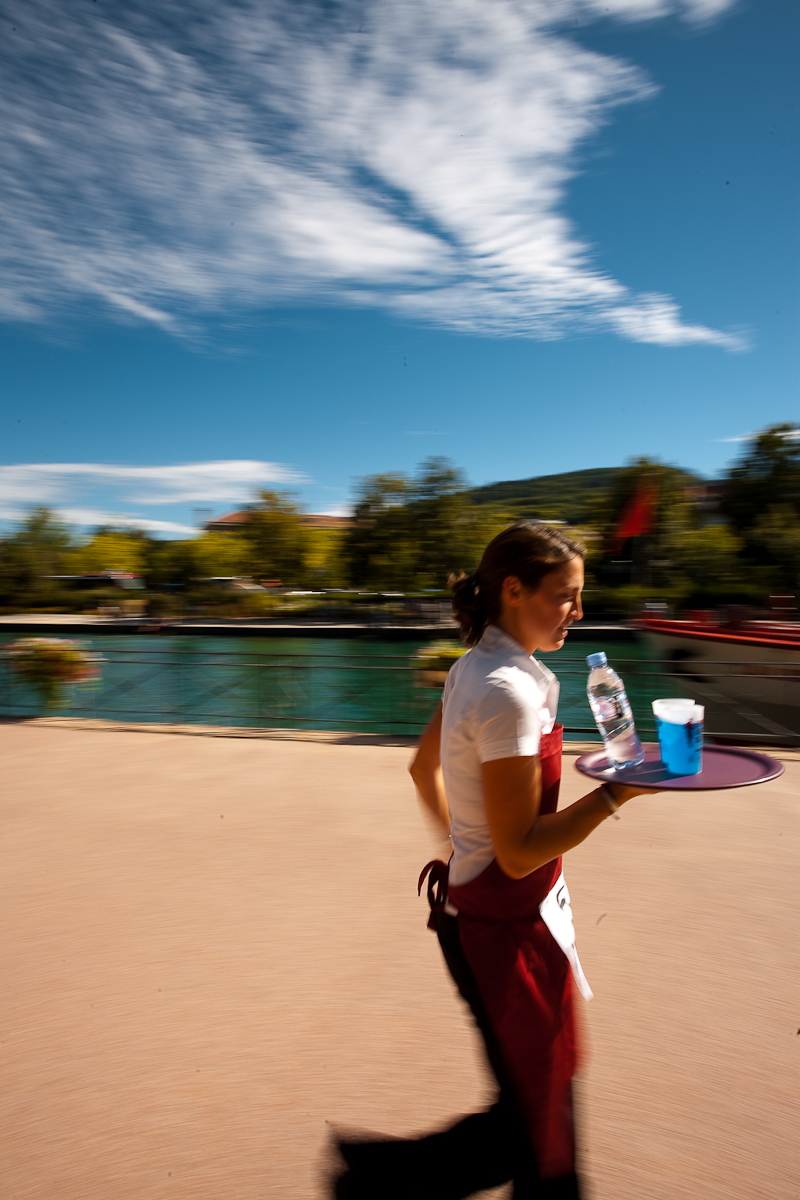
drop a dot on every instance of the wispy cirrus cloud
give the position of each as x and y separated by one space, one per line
63 485
791 435
103 518
176 162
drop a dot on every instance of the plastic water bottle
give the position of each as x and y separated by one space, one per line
612 711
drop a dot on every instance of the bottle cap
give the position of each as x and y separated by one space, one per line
597 660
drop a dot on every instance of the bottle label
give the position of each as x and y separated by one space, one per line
609 709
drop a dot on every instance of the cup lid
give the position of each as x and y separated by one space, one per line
682 713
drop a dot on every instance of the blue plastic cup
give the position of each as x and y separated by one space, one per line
680 735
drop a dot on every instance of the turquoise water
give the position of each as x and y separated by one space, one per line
348 684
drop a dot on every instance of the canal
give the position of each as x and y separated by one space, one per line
346 684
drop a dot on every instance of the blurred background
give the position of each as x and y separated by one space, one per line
301 302
691 584
657 536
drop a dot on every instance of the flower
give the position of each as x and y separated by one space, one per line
434 661
49 664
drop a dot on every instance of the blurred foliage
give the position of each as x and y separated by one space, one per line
276 540
775 536
433 662
378 550
325 565
630 570
410 533
50 664
761 499
108 550
171 565
735 541
220 556
36 550
711 551
669 486
767 474
571 497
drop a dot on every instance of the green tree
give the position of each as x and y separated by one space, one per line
679 550
108 550
768 473
761 497
706 554
36 550
410 533
657 494
222 555
380 548
325 561
171 565
776 534
450 530
661 487
278 542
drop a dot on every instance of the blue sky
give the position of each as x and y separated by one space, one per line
295 243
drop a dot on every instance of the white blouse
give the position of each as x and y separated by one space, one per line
497 703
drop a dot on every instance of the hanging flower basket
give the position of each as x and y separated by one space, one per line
51 664
433 662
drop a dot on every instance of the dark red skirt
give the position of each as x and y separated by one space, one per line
525 983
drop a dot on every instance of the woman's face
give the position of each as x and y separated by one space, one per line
539 619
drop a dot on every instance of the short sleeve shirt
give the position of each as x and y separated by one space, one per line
497 703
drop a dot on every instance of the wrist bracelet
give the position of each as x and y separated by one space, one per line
611 803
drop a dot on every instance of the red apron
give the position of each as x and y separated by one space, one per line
525 982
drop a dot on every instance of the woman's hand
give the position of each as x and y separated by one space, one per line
621 794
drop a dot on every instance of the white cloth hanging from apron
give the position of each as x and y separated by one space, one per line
556 912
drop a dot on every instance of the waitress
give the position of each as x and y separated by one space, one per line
488 768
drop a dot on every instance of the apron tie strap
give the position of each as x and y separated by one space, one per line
437 873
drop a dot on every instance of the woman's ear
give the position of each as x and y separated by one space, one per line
512 591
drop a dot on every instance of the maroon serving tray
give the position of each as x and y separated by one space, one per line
723 767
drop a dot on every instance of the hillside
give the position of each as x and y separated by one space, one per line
571 496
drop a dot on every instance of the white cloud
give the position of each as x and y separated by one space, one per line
790 435
338 510
643 10
412 154
657 319
98 517
61 484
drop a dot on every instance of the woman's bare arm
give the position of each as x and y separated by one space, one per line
426 771
523 840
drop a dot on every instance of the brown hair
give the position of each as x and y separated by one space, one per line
528 550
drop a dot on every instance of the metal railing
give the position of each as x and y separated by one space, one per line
377 691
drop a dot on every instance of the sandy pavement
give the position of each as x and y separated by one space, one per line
212 947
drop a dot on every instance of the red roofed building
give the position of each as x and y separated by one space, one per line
234 521
230 522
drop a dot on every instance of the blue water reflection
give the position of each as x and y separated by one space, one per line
347 684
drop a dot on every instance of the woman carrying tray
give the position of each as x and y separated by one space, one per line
488 768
